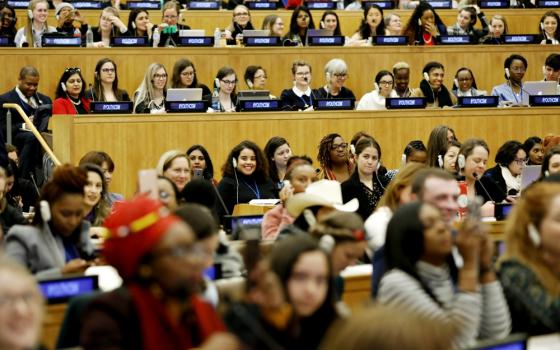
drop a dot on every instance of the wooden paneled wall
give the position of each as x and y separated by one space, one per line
520 21
136 142
363 63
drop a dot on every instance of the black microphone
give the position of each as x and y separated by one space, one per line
223 204
34 183
475 175
305 79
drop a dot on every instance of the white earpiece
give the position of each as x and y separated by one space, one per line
378 165
403 160
542 25
133 25
534 235
45 211
326 243
309 217
30 14
544 71
456 82
546 173
249 83
375 86
419 22
352 149
507 72
217 83
440 160
234 162
461 161
426 77
328 76
63 86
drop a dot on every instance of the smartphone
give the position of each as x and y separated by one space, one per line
197 173
147 183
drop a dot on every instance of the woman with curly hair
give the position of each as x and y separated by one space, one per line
334 158
245 176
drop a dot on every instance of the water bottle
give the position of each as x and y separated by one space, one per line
89 37
216 100
217 37
77 33
156 37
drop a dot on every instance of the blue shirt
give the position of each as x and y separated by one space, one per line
505 93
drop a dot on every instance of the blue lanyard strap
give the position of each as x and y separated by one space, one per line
254 190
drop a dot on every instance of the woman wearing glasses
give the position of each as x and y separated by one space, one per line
106 83
383 88
336 73
506 175
169 27
184 77
70 97
241 21
300 22
334 158
225 84
150 95
300 97
511 92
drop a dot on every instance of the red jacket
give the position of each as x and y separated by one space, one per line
63 105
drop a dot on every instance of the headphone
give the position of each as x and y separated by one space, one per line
403 160
419 22
328 76
45 210
533 234
546 173
456 82
461 161
217 83
544 70
133 25
30 14
426 77
506 70
376 86
234 162
63 86
542 26
440 160
249 83
322 25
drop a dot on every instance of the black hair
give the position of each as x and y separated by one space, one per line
507 152
337 31
261 171
414 146
294 29
404 244
413 30
472 11
68 72
468 70
208 172
132 20
556 17
365 30
530 143
12 30
431 66
179 66
553 61
508 61
224 72
250 72
269 149
383 73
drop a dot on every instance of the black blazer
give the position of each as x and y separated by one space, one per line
12 97
353 188
495 184
344 93
230 189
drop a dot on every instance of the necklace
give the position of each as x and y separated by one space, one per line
75 103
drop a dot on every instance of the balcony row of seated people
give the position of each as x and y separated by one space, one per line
73 96
423 28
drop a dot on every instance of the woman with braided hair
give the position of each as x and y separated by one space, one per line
334 158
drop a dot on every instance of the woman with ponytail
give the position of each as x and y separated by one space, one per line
58 240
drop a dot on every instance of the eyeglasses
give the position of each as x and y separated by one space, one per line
341 75
385 83
240 14
170 17
229 82
340 145
108 70
520 161
72 70
160 76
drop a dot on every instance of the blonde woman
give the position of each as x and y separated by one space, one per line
110 25
150 95
31 34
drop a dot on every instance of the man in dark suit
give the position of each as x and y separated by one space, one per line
36 106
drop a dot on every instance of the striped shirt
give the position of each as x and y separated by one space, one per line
479 315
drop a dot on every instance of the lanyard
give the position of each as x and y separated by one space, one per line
254 190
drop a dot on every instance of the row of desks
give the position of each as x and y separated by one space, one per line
520 21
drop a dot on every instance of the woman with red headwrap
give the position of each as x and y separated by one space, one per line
155 254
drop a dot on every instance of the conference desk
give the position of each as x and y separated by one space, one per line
364 62
520 21
136 141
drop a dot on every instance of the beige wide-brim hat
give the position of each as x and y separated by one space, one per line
324 193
